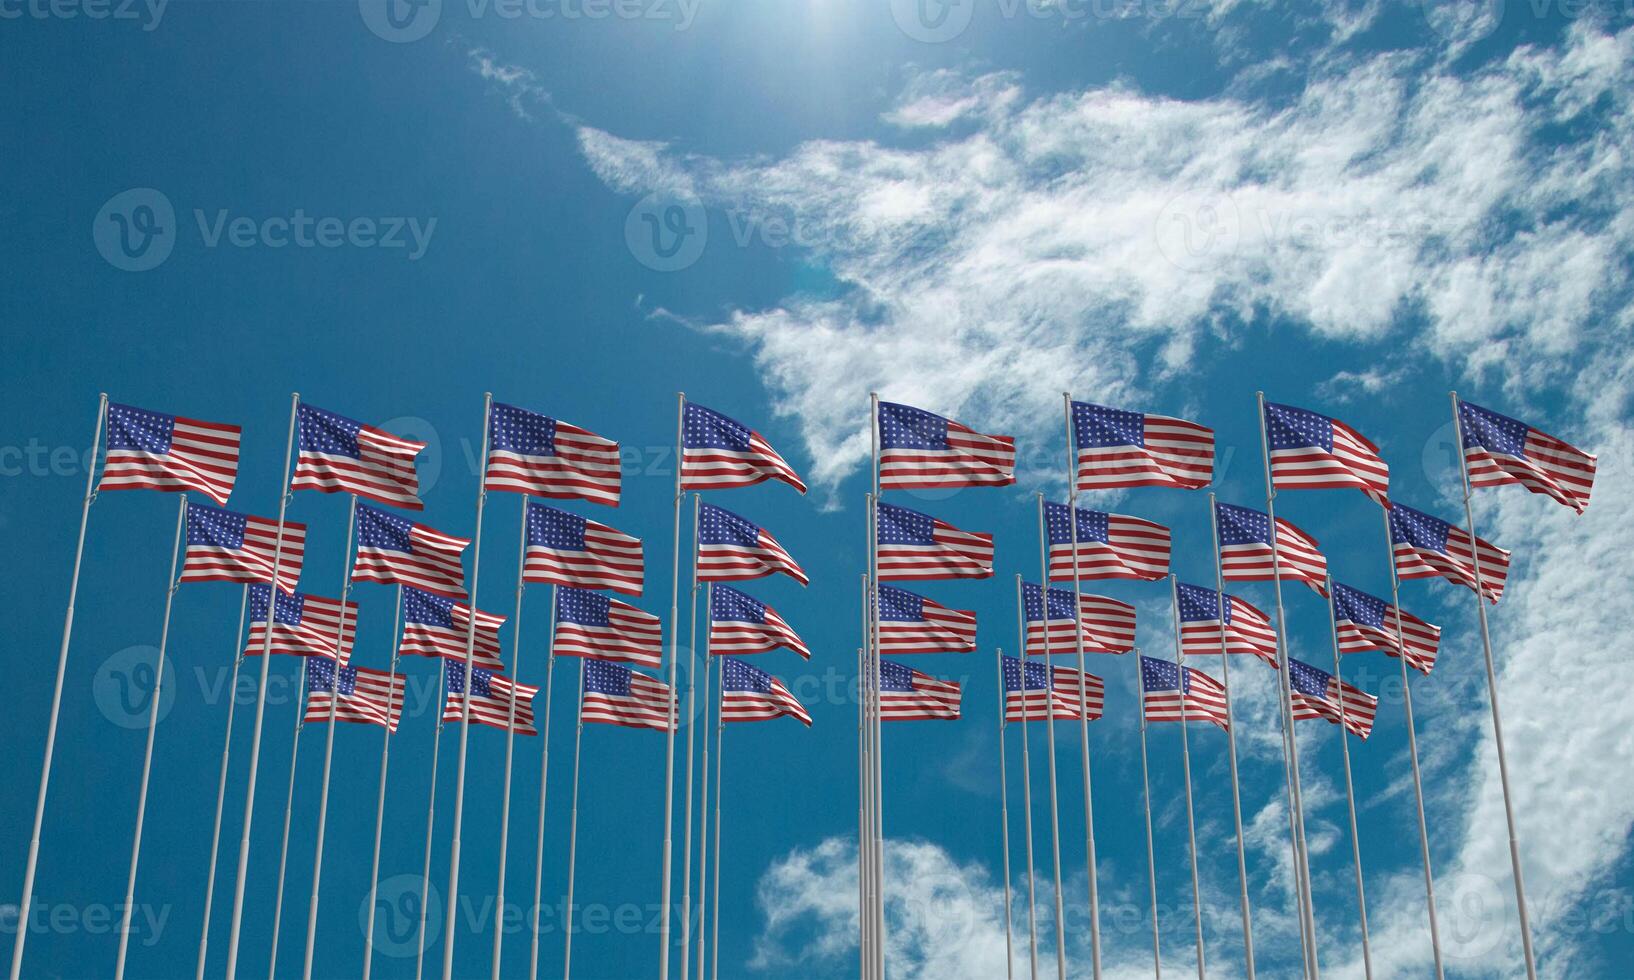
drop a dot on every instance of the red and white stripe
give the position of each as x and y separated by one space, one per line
1108 627
723 469
1298 557
646 706
943 630
1551 467
632 636
495 710
1421 640
955 554
732 637
434 565
1134 549
610 560
1457 564
1206 701
376 699
385 473
1063 699
1248 631
431 640
972 459
1359 707
253 562
1177 454
585 467
930 700
735 563
203 456
316 635
763 706
1354 463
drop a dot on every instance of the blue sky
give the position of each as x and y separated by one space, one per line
778 208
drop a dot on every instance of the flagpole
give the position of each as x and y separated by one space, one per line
1492 697
715 873
1004 822
1350 793
1027 786
573 837
862 817
450 914
431 814
874 697
544 781
1307 910
221 783
1049 729
1185 762
380 800
289 805
147 756
1412 748
510 732
674 655
1146 795
703 776
329 743
27 901
1231 747
260 706
692 708
865 789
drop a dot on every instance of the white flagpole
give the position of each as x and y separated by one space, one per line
1185 763
1350 794
147 756
862 811
865 785
1004 826
1146 795
715 885
1049 729
1412 749
380 801
865 844
450 914
431 814
221 783
260 706
573 837
692 711
289 807
27 901
874 695
1492 697
703 775
544 782
329 746
1027 786
674 655
1231 748
510 732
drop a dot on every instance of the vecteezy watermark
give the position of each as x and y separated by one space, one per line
666 232
137 230
147 13
937 21
123 686
399 914
147 922
402 21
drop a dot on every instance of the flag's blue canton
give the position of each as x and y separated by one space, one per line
1307 679
717 526
1358 607
902 427
583 607
423 607
731 606
1098 427
1200 604
1414 527
481 680
704 428
739 676
894 676
899 525
525 433
288 608
1093 525
601 677
378 529
214 527
1038 675
328 433
1240 525
556 529
1287 427
900 605
1061 604
1487 429
1161 675
137 428
320 676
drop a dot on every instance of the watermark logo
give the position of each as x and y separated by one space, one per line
123 687
1194 229
666 232
136 230
400 21
1463 21
932 21
147 12
1440 461
398 914
1470 915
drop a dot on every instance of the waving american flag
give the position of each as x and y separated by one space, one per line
436 626
1314 452
732 549
1366 622
1108 625
226 546
910 623
1500 450
1109 545
339 455
906 694
302 625
1167 693
718 453
741 624
589 624
154 451
615 695
569 550
1119 449
393 550
491 697
1245 549
1247 630
361 695
918 546
750 694
536 454
919 449
1032 687
1318 694
1428 547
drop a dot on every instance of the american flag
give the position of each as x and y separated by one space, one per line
731 549
339 455
1247 630
566 549
1314 452
154 451
910 623
491 697
750 694
536 454
589 624
1428 547
615 695
1118 449
740 624
1245 549
1057 688
1204 697
1500 450
1108 625
369 697
1317 694
907 695
303 625
436 626
719 453
918 449
1109 545
1366 622
226 546
918 546
393 550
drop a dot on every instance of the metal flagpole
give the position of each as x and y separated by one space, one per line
1049 730
1412 749
862 818
380 801
431 814
510 735
703 776
573 837
147 756
874 697
692 709
260 706
1185 764
715 873
1027 788
1350 795
329 746
544 782
289 809
450 914
27 901
674 655
1083 696
1004 826
865 787
1151 861
221 783
871 671
1492 697
1231 747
